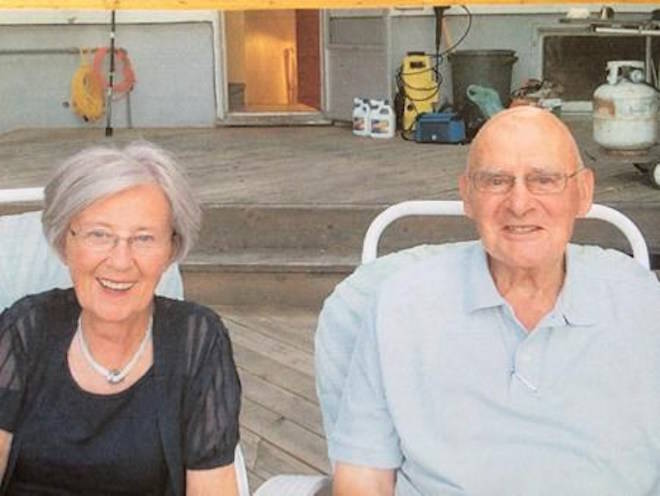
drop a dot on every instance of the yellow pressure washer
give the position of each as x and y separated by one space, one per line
420 88
418 82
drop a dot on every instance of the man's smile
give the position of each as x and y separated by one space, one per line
522 229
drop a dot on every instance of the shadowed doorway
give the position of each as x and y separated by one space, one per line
273 61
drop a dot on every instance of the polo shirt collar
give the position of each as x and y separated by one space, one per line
576 298
574 304
480 288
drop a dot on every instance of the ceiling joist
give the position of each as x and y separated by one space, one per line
258 4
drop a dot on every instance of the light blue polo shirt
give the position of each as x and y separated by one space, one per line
447 386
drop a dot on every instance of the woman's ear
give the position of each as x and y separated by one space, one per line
174 247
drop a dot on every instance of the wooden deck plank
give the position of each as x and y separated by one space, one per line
295 328
270 346
296 408
298 442
303 165
274 461
281 425
275 372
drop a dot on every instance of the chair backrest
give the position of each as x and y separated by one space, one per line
28 265
343 311
442 207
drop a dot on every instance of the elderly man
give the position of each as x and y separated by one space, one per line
514 365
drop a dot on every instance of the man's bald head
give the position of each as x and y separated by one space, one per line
517 125
514 164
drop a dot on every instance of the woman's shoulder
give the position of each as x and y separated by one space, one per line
189 328
185 309
40 307
189 318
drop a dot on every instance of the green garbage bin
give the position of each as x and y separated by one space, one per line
490 68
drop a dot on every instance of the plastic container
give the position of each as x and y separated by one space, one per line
361 117
488 68
382 121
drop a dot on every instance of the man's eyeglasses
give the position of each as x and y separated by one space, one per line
103 240
537 183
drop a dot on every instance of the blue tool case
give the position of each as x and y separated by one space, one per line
440 127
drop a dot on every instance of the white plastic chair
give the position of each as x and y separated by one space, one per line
341 317
295 485
32 267
442 207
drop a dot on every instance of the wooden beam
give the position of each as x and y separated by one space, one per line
258 4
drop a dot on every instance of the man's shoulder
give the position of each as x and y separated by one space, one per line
609 266
615 282
447 265
438 282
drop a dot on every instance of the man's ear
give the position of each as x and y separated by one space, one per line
586 182
464 190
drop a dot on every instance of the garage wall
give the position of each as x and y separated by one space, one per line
174 65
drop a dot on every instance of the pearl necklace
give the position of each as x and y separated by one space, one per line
113 376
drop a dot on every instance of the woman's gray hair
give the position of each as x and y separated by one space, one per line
99 172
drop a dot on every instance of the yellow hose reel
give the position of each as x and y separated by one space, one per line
87 94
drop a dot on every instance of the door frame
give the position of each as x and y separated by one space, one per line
224 116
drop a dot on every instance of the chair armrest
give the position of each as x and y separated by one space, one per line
295 485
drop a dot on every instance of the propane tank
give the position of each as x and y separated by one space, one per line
625 109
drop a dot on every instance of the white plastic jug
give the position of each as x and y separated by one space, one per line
361 117
382 121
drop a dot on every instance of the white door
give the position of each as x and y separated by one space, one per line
357 58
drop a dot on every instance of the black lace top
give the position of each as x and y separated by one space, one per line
194 386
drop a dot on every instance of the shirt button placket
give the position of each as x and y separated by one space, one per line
527 364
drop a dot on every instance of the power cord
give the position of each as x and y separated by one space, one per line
402 86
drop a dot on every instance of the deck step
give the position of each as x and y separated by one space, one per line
294 255
311 234
286 286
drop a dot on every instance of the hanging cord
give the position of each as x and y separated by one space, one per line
87 90
402 86
465 33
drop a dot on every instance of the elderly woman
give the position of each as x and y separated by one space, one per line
106 388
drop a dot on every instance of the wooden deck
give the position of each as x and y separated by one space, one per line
281 428
294 166
301 165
